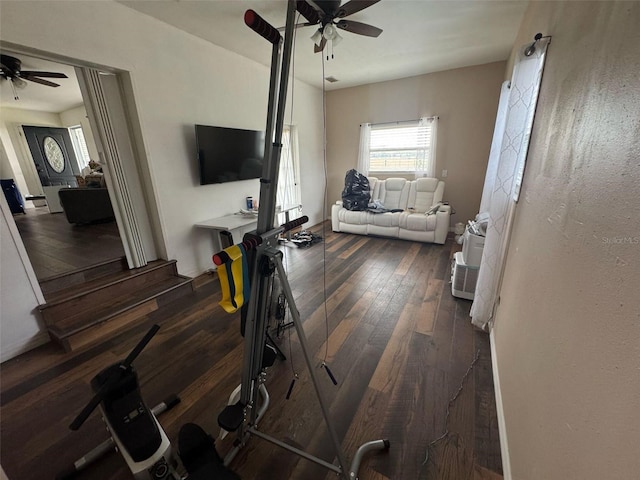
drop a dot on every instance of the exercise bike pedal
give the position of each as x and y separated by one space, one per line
231 417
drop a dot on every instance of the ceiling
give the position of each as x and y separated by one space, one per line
419 36
40 97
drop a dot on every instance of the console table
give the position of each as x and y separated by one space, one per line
236 223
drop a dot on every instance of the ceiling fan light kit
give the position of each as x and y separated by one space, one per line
317 37
19 83
329 14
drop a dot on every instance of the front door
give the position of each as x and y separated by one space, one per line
53 154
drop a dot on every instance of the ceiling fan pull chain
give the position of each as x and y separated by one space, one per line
15 94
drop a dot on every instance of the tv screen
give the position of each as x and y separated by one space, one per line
229 154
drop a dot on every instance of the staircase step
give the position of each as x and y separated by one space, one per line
51 285
101 307
104 290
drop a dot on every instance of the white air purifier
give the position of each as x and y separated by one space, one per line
472 248
463 278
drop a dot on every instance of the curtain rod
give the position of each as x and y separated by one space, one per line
400 122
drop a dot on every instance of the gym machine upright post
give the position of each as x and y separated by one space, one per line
264 259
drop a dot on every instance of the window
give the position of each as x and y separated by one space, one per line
404 147
288 193
79 146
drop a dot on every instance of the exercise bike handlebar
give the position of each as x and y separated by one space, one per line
253 241
111 381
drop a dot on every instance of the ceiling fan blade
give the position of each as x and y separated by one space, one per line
327 8
359 28
308 12
319 48
30 73
40 81
354 6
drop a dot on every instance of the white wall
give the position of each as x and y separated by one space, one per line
179 80
20 295
567 331
17 150
9 166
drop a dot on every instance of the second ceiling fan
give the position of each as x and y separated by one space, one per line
329 14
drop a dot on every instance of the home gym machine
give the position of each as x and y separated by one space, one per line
263 259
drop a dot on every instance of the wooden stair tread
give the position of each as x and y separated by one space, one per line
83 269
69 280
98 283
102 312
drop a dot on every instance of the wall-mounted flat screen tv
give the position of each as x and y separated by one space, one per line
229 154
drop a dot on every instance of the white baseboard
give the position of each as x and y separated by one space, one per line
502 429
17 348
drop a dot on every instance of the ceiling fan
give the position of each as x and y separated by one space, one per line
329 14
11 69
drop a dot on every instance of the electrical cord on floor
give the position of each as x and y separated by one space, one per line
449 405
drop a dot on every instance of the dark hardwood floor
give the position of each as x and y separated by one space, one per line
399 345
55 246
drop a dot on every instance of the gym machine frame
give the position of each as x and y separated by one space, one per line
265 258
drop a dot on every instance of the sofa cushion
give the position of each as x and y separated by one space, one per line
374 187
418 222
422 194
393 193
387 219
353 217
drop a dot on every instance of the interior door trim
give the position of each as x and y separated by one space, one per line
98 112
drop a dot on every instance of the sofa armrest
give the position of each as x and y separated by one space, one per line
443 220
335 223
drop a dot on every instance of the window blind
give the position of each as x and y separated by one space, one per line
400 148
79 146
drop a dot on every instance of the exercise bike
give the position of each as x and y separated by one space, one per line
137 434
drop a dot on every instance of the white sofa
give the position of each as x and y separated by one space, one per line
414 197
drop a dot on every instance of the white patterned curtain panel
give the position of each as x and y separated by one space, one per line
496 147
505 185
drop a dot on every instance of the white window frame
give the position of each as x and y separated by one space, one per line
79 146
289 193
414 138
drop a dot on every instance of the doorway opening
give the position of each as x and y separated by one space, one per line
44 153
